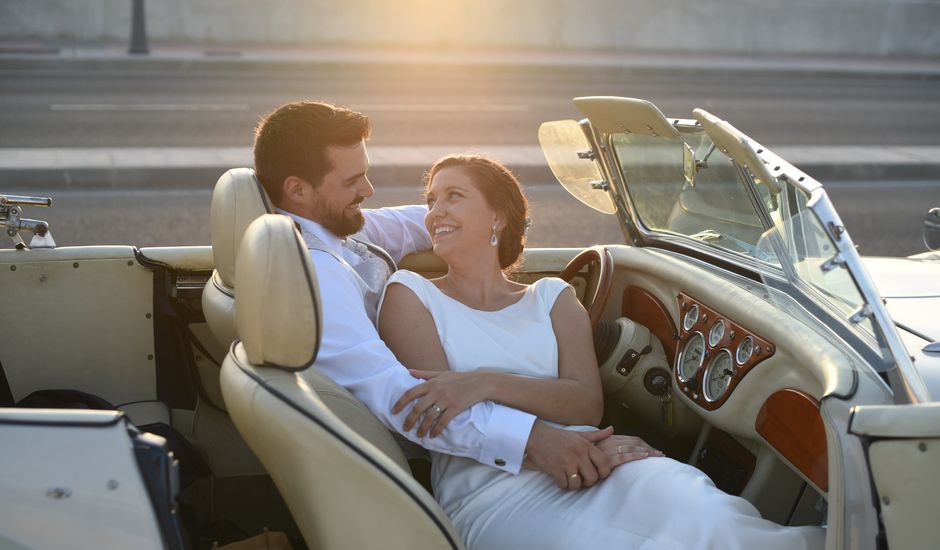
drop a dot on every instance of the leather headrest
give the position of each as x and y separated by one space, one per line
277 306
237 200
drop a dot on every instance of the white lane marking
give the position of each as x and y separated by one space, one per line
442 107
149 107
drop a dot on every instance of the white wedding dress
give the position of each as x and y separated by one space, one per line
651 503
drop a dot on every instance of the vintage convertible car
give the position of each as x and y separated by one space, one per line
737 329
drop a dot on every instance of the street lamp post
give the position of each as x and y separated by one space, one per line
138 30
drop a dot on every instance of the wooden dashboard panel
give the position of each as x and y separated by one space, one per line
644 308
790 422
734 334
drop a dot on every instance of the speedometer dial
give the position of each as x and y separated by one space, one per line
718 376
690 360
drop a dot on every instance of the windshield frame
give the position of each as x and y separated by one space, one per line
888 354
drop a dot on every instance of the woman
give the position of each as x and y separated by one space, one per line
529 346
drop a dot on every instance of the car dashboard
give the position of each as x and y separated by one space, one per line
747 373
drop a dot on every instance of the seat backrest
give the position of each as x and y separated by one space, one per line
238 198
343 489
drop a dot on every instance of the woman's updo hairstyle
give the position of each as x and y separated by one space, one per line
502 193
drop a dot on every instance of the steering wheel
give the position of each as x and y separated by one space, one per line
601 273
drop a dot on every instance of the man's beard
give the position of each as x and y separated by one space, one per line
339 223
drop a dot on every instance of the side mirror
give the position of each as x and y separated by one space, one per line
932 229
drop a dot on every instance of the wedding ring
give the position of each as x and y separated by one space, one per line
619 449
437 409
575 475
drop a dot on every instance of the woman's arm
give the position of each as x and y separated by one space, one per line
575 397
409 331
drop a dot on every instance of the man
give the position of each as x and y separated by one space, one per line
311 159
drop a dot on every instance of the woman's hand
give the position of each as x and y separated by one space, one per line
627 448
444 395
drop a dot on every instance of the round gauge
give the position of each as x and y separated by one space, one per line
690 360
745 349
716 333
718 376
691 317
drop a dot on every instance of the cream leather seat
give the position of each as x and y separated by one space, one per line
238 198
343 491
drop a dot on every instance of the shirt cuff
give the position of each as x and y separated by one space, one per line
507 435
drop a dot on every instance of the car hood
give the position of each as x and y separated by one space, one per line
911 289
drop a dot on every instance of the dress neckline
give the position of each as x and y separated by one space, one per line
502 309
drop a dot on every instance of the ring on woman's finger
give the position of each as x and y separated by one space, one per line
437 409
619 449
575 475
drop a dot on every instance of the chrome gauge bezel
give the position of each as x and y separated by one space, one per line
716 333
680 371
707 376
737 353
690 318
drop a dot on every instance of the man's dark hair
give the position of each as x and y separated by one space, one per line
292 141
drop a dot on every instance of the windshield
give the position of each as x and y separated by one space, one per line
730 208
715 209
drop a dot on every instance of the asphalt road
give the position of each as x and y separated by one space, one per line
884 218
447 105
459 106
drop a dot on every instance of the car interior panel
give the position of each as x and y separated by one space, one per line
97 331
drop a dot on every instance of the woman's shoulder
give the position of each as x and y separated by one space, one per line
405 277
416 284
422 287
548 289
550 284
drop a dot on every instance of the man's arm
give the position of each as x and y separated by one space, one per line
399 230
352 354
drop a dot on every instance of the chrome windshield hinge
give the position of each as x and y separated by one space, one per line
836 231
600 185
13 223
860 314
832 263
586 154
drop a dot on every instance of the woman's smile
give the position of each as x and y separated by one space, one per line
442 231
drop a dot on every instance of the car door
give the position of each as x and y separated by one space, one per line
902 445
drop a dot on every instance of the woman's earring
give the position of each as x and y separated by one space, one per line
493 239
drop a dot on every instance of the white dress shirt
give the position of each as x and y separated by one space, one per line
353 355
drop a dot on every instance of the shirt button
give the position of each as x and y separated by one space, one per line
500 462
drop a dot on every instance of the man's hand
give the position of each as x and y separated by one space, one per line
570 457
444 395
627 448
